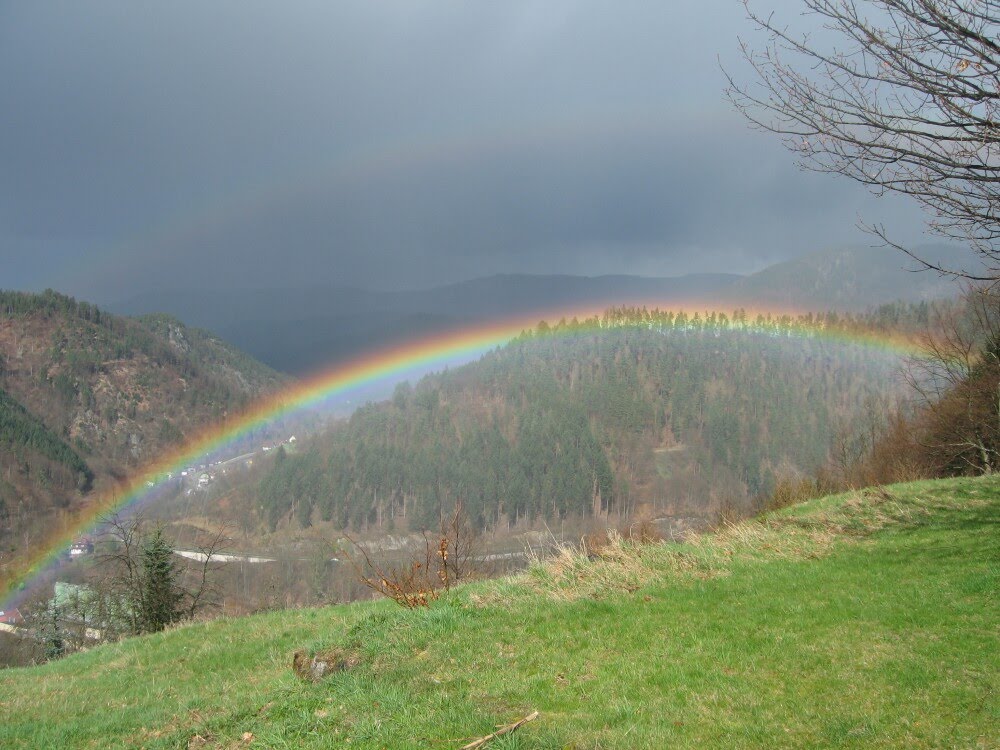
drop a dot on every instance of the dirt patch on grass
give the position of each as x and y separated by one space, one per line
324 663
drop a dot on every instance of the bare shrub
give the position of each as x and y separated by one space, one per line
956 380
444 560
894 457
592 543
729 512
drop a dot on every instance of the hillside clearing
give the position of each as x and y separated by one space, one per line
862 620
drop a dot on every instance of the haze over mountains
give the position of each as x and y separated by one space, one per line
300 329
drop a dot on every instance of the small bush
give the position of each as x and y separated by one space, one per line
445 559
791 491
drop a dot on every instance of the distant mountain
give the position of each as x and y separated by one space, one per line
517 293
86 396
851 279
299 330
302 346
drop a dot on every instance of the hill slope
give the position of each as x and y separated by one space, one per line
865 620
85 397
641 412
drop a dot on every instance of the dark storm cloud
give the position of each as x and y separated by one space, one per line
387 144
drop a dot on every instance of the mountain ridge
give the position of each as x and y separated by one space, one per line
849 279
298 330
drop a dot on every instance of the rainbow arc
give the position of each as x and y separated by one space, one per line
386 366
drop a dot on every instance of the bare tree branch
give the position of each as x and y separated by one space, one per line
203 591
908 104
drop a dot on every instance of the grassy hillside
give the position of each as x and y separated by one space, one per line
861 620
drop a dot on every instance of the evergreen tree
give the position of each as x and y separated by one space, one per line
160 595
51 633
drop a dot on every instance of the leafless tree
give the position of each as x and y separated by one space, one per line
198 581
899 95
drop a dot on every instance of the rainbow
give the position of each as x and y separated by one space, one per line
384 366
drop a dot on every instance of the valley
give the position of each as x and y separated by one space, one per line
666 418
495 376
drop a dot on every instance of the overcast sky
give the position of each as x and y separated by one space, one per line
390 144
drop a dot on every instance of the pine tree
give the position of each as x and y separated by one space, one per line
52 634
160 596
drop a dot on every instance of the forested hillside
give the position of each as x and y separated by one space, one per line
639 412
86 397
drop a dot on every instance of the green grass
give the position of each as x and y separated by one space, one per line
862 620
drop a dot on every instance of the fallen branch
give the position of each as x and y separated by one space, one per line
503 730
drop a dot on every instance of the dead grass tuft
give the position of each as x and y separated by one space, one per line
605 563
576 571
